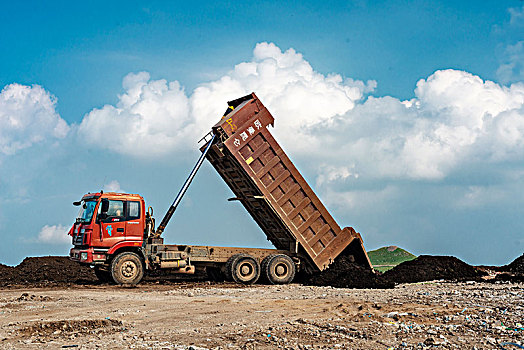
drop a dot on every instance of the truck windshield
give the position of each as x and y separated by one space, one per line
86 211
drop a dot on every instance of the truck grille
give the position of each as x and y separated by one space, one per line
78 239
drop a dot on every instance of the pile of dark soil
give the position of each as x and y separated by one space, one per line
344 273
513 272
46 270
4 269
517 266
429 268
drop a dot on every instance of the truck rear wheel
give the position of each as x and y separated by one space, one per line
243 268
127 268
103 276
278 269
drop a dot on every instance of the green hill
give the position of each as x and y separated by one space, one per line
386 258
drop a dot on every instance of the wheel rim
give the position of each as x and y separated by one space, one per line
129 269
281 270
246 271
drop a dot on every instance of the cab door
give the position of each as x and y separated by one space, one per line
112 223
134 227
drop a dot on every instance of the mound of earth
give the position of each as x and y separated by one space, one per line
5 269
516 266
46 270
429 268
513 272
344 273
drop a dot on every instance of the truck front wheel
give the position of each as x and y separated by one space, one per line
127 268
278 269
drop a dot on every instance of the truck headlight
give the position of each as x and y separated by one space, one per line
83 256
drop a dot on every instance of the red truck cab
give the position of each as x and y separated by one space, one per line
106 223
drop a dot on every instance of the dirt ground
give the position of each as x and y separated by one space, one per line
206 315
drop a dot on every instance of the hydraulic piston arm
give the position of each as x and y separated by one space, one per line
183 190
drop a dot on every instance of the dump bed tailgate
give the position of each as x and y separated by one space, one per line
273 191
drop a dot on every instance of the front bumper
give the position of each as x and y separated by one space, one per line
87 256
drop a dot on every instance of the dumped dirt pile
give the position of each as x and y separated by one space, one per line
4 269
517 266
46 270
514 271
429 268
344 273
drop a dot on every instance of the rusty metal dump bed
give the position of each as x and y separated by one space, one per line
273 191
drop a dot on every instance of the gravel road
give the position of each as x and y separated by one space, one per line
205 315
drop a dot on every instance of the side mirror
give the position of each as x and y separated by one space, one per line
105 206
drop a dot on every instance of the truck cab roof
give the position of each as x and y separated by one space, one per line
113 195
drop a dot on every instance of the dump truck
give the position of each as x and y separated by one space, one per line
116 235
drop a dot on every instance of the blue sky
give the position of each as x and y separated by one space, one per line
406 117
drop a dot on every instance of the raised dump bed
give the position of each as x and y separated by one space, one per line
273 191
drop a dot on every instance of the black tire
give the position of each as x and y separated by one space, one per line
229 267
243 268
278 269
215 274
127 268
263 265
103 276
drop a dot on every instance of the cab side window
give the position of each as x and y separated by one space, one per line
115 212
133 210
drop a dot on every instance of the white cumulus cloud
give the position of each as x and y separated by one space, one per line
28 116
329 174
455 117
358 199
512 54
512 68
155 117
113 186
55 234
149 119
287 84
